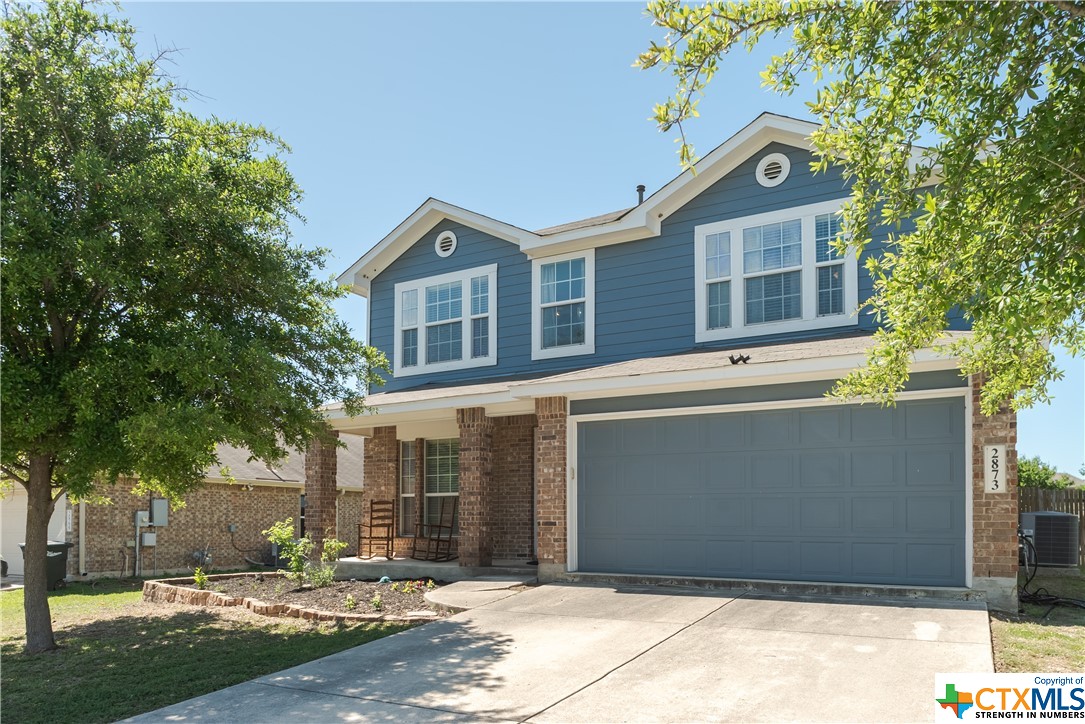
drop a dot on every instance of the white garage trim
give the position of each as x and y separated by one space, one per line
572 542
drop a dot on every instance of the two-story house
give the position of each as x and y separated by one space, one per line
643 392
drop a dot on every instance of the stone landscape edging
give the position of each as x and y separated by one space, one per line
176 590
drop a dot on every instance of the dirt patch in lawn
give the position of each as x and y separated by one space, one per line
276 595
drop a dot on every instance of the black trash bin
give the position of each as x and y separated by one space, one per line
56 566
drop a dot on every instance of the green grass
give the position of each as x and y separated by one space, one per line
119 657
1042 638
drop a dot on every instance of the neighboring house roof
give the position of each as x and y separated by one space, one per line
1073 480
820 358
290 471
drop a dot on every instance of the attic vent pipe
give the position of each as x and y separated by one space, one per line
640 193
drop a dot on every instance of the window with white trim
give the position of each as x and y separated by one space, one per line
408 470
442 470
446 322
563 305
772 273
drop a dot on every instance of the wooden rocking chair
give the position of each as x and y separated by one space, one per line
380 532
434 542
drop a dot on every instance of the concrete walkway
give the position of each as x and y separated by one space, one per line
561 653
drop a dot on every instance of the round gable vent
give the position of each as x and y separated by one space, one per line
446 244
773 169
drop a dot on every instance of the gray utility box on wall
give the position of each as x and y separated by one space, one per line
160 512
1056 537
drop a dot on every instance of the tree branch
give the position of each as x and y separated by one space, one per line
9 473
1077 9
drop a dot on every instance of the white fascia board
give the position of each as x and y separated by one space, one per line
721 376
263 483
646 219
497 404
424 218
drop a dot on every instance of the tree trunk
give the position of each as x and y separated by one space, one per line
39 492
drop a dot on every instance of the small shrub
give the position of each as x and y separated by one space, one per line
300 569
350 604
376 602
200 578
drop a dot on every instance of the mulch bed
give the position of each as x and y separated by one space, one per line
271 594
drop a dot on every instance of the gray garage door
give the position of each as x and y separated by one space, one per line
839 493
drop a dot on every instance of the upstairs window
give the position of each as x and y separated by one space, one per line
456 326
563 305
773 273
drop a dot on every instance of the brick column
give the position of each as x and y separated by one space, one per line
321 457
381 471
994 515
551 415
476 479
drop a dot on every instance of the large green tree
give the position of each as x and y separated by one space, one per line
1000 87
153 302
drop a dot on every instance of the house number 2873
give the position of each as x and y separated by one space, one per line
994 468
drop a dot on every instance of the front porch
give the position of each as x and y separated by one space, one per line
505 465
408 568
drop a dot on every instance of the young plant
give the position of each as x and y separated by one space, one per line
200 578
376 602
350 603
294 550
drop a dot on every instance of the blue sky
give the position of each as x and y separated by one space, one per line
526 112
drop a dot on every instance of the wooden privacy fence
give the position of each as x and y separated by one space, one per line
1071 500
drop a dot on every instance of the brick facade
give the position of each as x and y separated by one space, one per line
551 414
476 483
994 515
513 502
200 524
321 468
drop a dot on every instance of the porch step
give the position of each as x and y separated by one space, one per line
790 588
398 569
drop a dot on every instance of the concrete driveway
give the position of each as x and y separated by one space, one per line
563 653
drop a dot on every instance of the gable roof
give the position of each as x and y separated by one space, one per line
641 221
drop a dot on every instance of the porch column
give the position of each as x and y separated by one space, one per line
994 515
321 459
551 415
476 479
381 472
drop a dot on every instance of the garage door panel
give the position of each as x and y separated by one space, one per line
872 424
770 429
774 513
772 558
725 471
822 470
929 420
775 470
684 434
680 473
725 515
933 466
876 561
818 427
931 560
871 515
827 559
822 515
876 467
842 494
727 558
929 515
601 439
640 436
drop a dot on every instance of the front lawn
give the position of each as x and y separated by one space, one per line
1042 639
120 656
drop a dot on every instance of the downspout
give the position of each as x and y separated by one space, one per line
82 538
